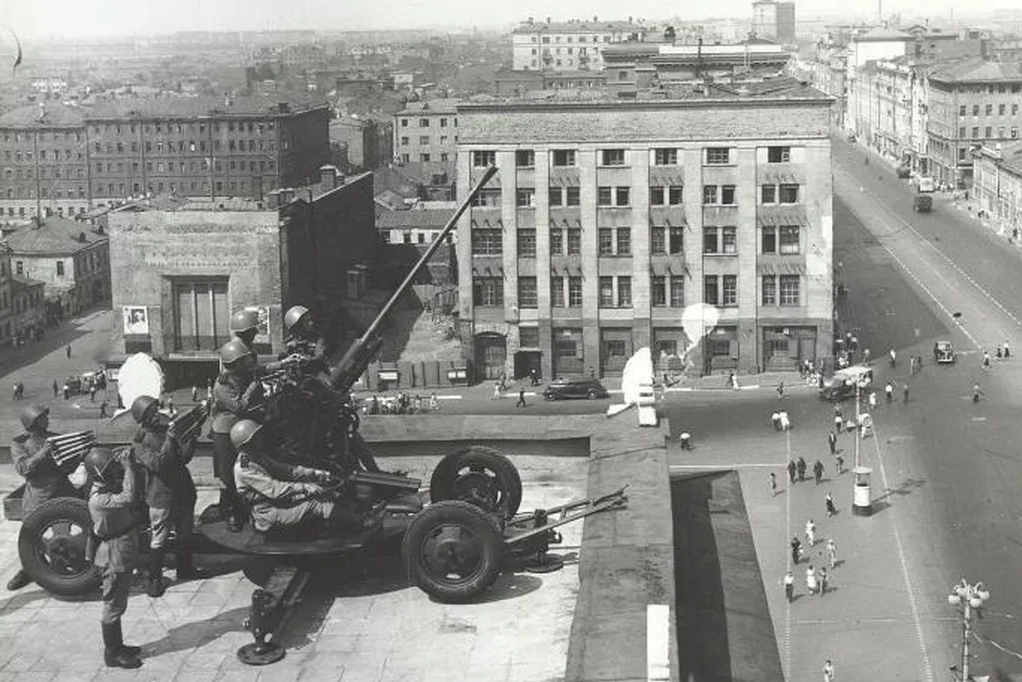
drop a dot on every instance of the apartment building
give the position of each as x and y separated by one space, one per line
997 182
569 45
698 223
426 133
774 21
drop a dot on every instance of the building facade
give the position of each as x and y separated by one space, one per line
699 225
28 310
426 133
71 258
774 21
68 160
569 46
6 296
997 183
369 140
180 272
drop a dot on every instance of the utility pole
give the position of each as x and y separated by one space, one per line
858 430
969 597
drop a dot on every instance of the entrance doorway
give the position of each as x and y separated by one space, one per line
490 355
526 361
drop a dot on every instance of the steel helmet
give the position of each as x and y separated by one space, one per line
244 320
294 315
31 413
232 351
97 461
141 407
243 431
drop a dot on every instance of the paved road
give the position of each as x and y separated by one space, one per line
908 275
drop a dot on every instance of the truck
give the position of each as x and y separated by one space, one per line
924 183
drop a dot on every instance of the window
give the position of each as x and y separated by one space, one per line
624 292
975 110
488 291
778 154
768 194
624 241
709 194
488 197
486 242
19 267
60 268
961 153
730 291
482 159
677 284
201 314
658 291
1014 108
605 237
711 294
564 157
556 196
990 110
962 110
1000 132
574 292
605 196
1014 132
424 158
423 122
656 196
769 289
574 196
606 292
665 157
729 240
526 243
658 240
789 239
961 132
674 195
527 294
621 196
727 195
718 156
789 286
612 157
556 241
1000 109
557 292
789 194
710 237
525 197
574 241
989 130
975 132
525 158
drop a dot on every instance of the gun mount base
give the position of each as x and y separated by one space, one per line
544 563
261 654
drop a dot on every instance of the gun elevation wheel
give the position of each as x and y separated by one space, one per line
51 546
452 550
481 476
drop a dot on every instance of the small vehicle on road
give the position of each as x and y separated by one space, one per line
904 172
943 353
562 389
842 385
923 203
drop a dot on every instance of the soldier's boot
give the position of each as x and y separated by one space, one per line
115 654
128 649
154 583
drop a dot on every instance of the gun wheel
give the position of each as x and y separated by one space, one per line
51 546
478 475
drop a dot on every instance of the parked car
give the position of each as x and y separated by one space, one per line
842 384
943 353
575 388
923 203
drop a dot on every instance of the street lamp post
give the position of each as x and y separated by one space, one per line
969 597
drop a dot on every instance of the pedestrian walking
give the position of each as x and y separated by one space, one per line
818 471
789 586
986 361
800 464
785 422
521 398
773 484
534 377
904 393
811 583
67 391
811 532
893 356
434 405
791 470
839 423
865 356
889 392
822 580
686 440
775 419
14 391
103 408
171 410
195 393
832 442
976 393
796 549
912 365
92 393
68 351
56 389
839 462
496 390
780 390
1000 353
872 400
832 553
828 501
828 671
1007 351
734 380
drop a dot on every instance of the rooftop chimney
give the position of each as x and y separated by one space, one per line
286 194
273 199
327 178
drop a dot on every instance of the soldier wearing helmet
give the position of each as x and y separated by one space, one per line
283 496
234 392
33 459
170 491
111 503
245 326
303 338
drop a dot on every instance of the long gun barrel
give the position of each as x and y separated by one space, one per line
363 351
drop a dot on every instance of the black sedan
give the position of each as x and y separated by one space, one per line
562 389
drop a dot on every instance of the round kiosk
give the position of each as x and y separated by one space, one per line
861 493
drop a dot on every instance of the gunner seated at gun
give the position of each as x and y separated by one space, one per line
283 496
304 340
245 327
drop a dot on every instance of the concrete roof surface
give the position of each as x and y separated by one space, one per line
55 235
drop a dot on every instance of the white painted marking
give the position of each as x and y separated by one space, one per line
909 588
735 465
658 649
979 419
787 526
448 397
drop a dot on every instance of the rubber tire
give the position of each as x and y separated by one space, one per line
592 395
445 474
465 514
74 510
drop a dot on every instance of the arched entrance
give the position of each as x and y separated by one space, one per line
490 355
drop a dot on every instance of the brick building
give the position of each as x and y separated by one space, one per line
368 139
569 45
610 220
71 258
181 271
426 133
68 160
407 234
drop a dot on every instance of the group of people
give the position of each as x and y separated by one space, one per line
402 403
154 471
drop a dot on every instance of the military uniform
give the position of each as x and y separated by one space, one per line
280 495
114 524
230 399
43 479
311 348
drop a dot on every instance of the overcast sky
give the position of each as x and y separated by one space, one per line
32 18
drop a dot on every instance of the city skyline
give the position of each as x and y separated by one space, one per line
111 18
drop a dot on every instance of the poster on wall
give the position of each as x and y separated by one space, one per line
263 334
136 319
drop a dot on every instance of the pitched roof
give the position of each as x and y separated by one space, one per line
414 218
433 106
880 33
1012 156
55 235
20 281
977 69
49 116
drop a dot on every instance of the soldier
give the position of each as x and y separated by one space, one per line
170 491
303 337
234 392
245 326
110 506
33 459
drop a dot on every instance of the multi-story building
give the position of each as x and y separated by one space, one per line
774 21
71 258
6 296
517 83
997 182
973 102
368 139
696 223
68 159
181 271
28 310
569 45
426 133
876 43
